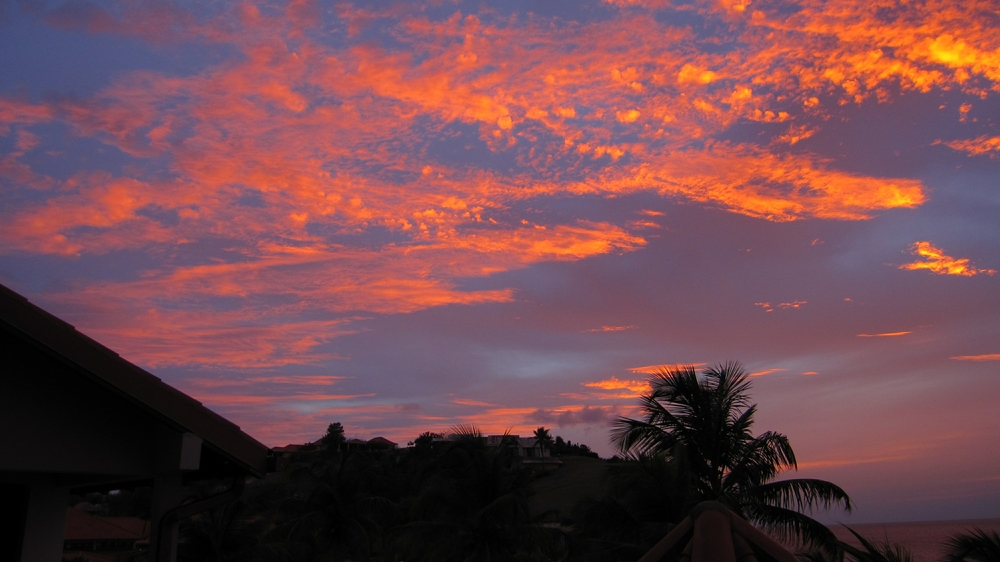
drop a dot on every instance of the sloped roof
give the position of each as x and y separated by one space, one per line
712 533
149 393
81 525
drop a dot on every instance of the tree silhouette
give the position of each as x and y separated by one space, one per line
976 545
543 438
334 437
332 508
474 505
705 424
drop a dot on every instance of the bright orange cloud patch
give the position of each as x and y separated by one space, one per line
936 261
766 372
883 335
614 383
979 145
984 357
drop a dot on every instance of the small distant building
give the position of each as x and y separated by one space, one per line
529 450
381 443
76 418
283 455
355 445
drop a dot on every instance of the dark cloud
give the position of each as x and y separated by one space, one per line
82 15
587 415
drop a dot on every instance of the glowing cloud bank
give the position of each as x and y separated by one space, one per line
317 134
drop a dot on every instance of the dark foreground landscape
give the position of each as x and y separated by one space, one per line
466 496
287 515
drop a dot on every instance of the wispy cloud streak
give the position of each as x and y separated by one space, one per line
936 261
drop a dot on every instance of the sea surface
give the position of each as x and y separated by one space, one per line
924 539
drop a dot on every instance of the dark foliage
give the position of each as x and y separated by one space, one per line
976 545
455 499
562 448
649 496
874 551
473 505
703 423
463 499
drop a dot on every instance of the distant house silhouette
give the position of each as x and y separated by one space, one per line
376 443
529 450
283 455
76 417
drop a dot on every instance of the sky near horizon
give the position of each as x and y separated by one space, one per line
406 216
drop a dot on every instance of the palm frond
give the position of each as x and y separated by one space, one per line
789 525
758 460
976 545
871 551
466 431
803 493
636 436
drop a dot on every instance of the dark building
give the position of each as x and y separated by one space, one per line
76 417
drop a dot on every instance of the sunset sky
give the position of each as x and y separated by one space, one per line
406 216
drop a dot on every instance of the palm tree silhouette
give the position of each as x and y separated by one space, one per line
544 439
977 545
704 424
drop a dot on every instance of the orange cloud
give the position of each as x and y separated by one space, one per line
977 146
636 387
653 369
292 154
242 338
830 463
766 372
769 308
984 357
299 380
936 261
468 402
883 335
100 216
223 400
610 329
748 181
272 391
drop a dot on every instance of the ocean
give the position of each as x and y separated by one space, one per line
924 539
